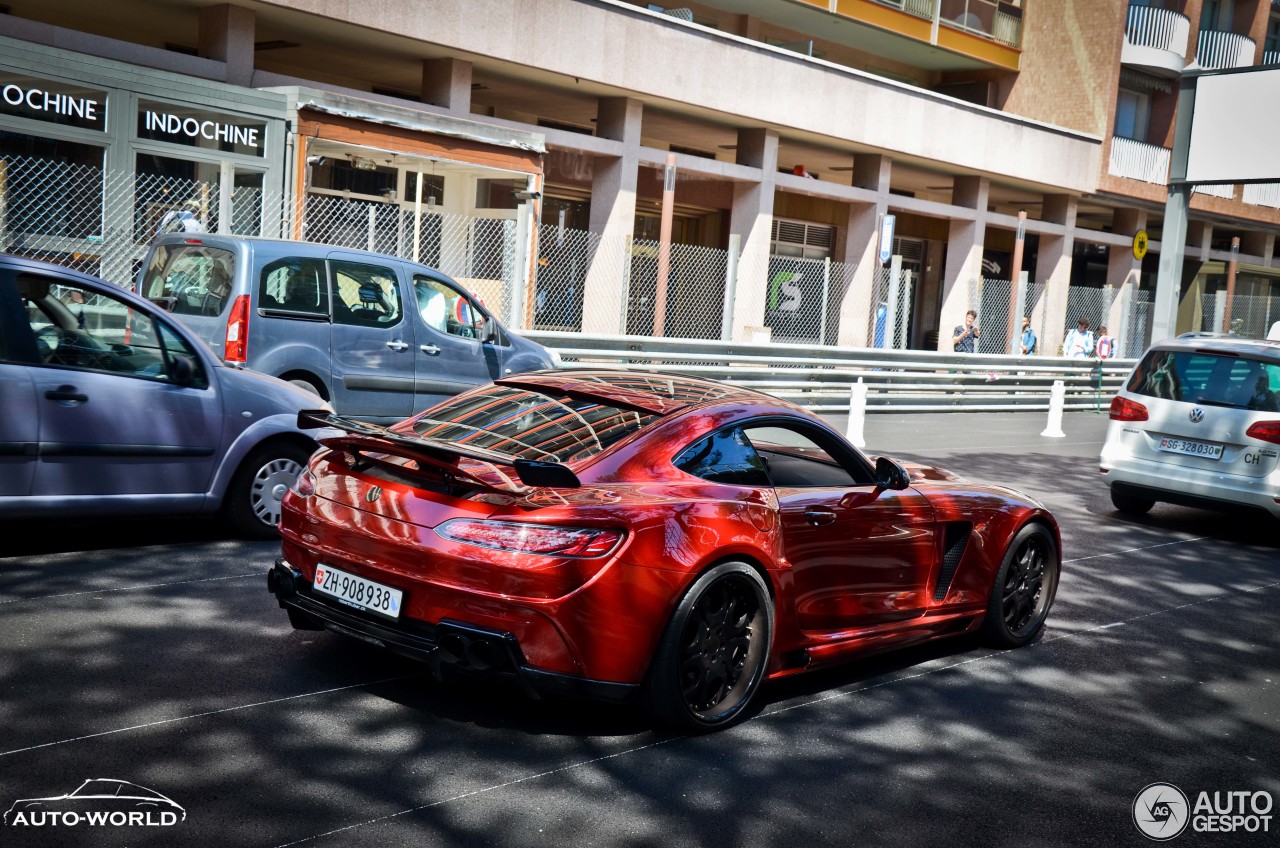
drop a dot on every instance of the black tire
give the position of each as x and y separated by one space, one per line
252 501
1024 588
714 652
307 386
1131 504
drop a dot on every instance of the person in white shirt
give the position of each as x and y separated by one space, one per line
1079 342
1106 346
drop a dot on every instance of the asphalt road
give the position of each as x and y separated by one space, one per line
151 652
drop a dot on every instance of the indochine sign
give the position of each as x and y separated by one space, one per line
62 103
195 128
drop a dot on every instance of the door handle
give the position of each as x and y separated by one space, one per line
66 394
398 345
429 349
819 516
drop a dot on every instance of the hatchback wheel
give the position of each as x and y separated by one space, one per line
1131 504
253 499
713 655
1024 588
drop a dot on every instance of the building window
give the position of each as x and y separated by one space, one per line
1133 108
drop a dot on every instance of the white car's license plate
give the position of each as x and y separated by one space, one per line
1190 448
357 592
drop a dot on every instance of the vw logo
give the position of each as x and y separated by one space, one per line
373 494
1197 415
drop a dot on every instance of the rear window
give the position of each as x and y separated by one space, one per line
189 279
530 425
1209 378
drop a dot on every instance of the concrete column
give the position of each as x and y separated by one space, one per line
613 215
1199 240
1124 271
861 250
1053 271
1260 245
964 257
447 83
227 35
752 220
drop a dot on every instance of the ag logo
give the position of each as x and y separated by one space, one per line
373 494
1161 811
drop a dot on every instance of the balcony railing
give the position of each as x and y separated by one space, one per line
1226 192
1262 194
1138 160
994 19
1163 29
1271 57
1221 50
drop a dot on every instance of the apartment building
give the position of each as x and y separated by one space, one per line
855 172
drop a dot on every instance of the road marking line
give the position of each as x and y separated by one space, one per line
129 588
209 713
970 449
762 715
1135 550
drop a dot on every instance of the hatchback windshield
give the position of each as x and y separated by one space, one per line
1209 378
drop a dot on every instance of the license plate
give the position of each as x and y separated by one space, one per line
357 592
1190 448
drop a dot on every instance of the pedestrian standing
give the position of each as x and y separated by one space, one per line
964 337
1106 347
1028 338
1079 342
183 220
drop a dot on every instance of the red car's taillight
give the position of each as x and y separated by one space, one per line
1123 409
305 485
238 331
531 538
1266 431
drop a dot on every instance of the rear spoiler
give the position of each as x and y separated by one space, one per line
531 472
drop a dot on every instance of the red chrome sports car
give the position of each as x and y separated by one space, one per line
613 535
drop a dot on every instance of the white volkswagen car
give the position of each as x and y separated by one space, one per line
1197 424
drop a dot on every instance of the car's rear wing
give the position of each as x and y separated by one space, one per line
444 454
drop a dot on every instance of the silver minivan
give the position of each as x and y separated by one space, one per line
379 337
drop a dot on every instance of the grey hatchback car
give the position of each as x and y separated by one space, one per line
109 407
379 337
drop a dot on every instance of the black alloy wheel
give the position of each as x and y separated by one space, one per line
1024 588
712 657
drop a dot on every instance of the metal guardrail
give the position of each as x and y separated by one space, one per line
820 378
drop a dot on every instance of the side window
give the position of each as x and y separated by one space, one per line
294 284
364 295
83 329
724 457
190 279
445 309
795 460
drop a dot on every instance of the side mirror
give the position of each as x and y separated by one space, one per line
487 331
891 475
181 372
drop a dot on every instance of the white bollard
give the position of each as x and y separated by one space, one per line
857 414
1057 398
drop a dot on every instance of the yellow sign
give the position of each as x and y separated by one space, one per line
1140 244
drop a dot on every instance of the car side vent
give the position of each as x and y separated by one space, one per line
955 540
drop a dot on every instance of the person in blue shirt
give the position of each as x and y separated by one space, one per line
1028 338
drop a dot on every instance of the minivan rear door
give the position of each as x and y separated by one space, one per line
452 352
373 343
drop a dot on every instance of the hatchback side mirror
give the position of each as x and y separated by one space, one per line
181 372
487 331
891 474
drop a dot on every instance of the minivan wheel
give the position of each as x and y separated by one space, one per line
306 386
253 499
1130 504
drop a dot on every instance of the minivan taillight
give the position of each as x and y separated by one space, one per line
1266 431
1123 409
238 331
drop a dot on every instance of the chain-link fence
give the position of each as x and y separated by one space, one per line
804 297
689 304
1000 318
1251 315
889 308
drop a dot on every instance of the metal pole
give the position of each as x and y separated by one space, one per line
1173 238
730 286
664 246
1231 283
1015 302
826 293
417 216
891 309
